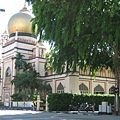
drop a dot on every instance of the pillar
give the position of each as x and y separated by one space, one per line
38 102
91 90
37 59
106 87
72 83
54 85
46 109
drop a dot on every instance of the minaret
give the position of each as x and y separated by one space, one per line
4 38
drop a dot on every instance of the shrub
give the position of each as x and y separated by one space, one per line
61 102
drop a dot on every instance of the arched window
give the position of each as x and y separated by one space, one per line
8 74
111 90
98 90
46 73
49 88
60 88
83 88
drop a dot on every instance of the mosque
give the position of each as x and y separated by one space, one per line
20 39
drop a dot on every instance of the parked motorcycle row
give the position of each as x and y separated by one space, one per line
81 107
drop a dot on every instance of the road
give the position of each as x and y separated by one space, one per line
35 115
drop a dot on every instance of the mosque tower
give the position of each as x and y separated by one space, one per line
23 41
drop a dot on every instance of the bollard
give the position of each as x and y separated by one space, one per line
38 102
46 108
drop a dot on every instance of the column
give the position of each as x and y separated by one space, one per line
54 85
91 91
73 83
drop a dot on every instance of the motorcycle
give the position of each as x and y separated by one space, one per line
73 108
86 107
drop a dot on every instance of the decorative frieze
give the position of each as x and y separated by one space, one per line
21 40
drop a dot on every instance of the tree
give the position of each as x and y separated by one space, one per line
26 79
83 33
19 63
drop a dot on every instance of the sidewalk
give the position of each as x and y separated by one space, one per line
84 112
78 112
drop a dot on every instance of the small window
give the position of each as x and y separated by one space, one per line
49 88
8 72
46 73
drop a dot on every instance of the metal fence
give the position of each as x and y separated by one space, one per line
20 105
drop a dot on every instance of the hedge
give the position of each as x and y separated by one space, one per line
61 101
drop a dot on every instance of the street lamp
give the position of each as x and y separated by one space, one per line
2 10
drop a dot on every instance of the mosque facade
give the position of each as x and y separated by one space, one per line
20 39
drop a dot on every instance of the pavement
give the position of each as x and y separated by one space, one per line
78 112
42 115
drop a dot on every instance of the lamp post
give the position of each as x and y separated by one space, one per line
2 10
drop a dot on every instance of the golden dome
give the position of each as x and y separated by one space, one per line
20 21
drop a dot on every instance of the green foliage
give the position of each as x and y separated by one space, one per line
26 79
82 32
60 102
16 97
19 63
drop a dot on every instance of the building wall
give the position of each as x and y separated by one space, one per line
35 55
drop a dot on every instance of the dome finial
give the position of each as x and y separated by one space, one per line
25 4
24 9
16 35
